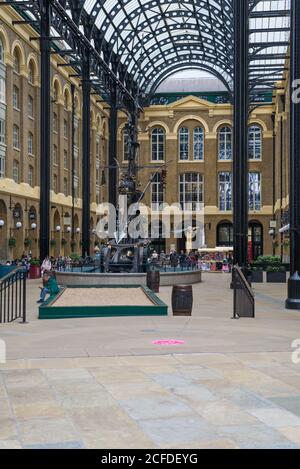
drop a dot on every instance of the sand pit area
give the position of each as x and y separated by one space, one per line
103 297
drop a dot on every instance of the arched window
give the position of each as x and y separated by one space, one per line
255 142
225 143
16 63
157 144
31 73
225 234
1 51
125 144
198 143
184 143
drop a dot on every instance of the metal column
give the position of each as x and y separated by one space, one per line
73 164
45 177
86 148
240 144
293 301
113 128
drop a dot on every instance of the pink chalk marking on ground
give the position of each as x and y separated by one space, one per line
168 342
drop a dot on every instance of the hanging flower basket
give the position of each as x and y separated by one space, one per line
27 242
64 242
53 242
12 242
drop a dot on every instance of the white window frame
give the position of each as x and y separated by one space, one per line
157 143
198 131
186 190
184 132
225 206
224 132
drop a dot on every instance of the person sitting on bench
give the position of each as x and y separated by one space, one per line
49 287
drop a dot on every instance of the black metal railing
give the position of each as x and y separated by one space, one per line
13 296
243 295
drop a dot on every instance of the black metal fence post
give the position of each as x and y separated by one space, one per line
45 47
86 148
24 297
240 153
293 301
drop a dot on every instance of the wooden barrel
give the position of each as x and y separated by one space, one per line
153 280
182 300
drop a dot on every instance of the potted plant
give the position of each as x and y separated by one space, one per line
53 242
257 274
27 242
12 242
276 274
64 242
34 269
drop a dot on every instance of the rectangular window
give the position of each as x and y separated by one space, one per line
2 90
2 166
66 189
66 159
30 106
184 143
16 137
2 131
16 98
66 129
191 191
55 155
55 183
254 191
157 192
16 171
225 191
30 143
158 144
30 176
54 122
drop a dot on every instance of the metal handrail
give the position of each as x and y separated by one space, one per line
13 296
243 295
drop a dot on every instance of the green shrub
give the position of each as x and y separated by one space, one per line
268 260
35 262
74 257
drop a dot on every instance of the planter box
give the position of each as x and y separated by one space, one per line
276 277
34 272
257 276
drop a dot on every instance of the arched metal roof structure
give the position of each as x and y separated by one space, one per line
155 38
144 41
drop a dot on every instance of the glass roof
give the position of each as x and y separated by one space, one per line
154 38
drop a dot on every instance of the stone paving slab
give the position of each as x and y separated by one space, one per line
103 384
